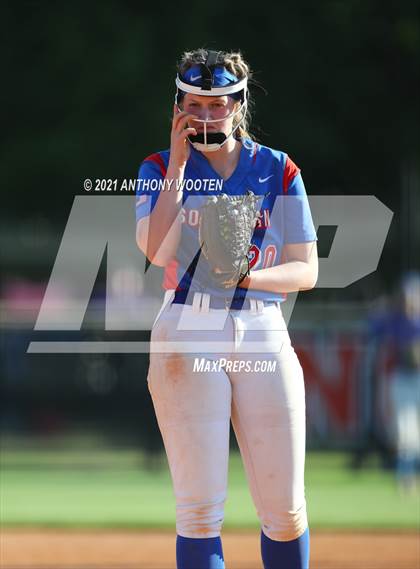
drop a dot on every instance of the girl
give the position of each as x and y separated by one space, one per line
221 355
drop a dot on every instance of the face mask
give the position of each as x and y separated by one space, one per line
209 79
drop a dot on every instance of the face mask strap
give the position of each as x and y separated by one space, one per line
207 69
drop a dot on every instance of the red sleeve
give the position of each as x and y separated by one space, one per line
157 159
290 171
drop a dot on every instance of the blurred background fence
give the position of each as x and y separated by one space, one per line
52 394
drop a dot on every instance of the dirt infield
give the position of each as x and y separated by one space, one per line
59 549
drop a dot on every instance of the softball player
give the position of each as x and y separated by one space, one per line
397 332
221 355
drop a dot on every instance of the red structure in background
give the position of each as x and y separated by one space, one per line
334 382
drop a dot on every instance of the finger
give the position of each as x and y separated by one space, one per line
177 110
187 132
178 117
183 121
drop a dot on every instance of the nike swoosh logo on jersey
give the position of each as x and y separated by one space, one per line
262 180
194 78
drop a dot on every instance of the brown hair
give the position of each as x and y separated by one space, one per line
235 63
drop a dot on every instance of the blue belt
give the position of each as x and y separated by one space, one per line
219 302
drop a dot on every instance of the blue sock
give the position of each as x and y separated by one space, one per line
285 554
197 553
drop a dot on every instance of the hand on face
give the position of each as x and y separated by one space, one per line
188 120
215 111
180 148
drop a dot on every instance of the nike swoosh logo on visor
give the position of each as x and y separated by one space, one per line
194 78
262 180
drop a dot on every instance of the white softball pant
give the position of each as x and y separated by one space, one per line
194 407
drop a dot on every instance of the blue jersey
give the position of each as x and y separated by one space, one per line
266 172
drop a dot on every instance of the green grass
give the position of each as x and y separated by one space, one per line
111 488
